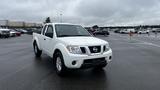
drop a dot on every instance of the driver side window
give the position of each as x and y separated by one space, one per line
49 32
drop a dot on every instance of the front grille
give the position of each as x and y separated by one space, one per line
104 48
95 49
83 50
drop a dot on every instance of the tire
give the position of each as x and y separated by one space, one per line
36 50
59 64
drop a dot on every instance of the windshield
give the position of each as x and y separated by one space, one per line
70 30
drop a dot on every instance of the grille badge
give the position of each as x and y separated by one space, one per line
95 49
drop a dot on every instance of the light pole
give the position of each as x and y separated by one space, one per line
61 17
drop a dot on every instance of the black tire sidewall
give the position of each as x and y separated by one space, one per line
63 67
35 48
39 52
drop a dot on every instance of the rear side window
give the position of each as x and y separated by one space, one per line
44 29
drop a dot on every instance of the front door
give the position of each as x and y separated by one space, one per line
48 40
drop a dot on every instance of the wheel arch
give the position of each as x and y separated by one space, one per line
35 40
62 49
55 51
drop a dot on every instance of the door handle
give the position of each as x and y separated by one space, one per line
44 39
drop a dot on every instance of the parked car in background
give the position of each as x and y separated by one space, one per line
117 31
12 33
30 32
4 33
143 31
38 31
22 31
126 31
156 30
90 31
16 32
101 32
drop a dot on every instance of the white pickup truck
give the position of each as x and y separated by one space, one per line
71 47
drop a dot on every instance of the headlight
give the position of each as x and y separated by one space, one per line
106 48
74 49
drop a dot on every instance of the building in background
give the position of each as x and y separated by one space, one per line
18 24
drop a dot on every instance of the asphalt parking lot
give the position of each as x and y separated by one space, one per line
135 66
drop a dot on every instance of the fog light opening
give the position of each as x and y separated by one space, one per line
110 57
74 62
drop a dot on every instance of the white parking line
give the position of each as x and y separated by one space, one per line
147 43
143 42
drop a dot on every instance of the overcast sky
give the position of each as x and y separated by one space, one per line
85 12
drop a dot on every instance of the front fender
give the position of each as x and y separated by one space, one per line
62 48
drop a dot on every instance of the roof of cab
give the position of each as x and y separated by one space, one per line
59 23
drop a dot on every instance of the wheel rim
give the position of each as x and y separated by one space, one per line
58 64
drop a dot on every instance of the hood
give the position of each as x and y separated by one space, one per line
86 41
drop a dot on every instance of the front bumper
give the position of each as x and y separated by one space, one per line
78 61
94 62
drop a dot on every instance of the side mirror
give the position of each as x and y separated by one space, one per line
49 35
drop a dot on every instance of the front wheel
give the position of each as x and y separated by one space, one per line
59 64
36 50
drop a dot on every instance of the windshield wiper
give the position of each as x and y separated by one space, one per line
64 35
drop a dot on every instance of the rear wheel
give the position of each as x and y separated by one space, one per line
59 64
36 50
